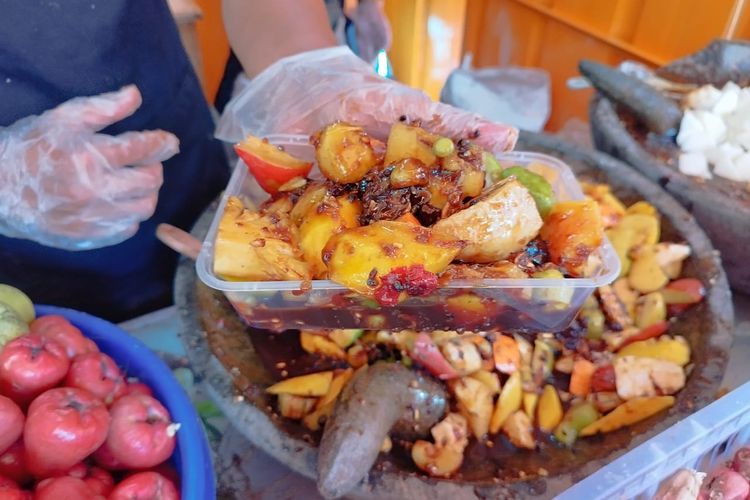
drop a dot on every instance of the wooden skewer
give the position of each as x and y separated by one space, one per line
178 240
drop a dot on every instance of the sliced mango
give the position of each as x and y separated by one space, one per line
550 411
490 379
319 344
358 257
313 384
650 309
628 413
406 141
646 275
508 402
530 402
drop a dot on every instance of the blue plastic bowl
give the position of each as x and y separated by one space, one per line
191 458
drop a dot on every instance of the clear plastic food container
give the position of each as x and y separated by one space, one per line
702 442
533 305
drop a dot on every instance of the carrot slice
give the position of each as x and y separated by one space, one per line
580 379
507 354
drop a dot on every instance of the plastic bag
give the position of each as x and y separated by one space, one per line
512 95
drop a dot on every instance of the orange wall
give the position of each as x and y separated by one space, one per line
427 41
213 46
556 34
551 34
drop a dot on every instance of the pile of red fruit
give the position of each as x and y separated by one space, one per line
73 426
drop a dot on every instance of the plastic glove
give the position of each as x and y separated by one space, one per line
66 186
302 93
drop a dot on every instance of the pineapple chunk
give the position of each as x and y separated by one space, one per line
251 246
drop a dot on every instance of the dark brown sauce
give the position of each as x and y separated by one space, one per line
433 313
484 460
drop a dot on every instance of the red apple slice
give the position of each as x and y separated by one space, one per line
681 294
271 166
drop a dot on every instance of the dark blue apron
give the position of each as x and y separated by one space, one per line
51 51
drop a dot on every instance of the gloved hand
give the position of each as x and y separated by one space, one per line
64 185
302 93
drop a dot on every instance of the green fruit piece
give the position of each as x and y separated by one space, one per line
18 301
345 338
594 320
538 187
443 147
565 433
11 324
576 418
492 167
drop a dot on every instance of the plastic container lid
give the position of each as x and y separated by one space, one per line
702 442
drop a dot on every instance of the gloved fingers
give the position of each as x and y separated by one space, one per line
454 122
97 112
95 226
133 182
137 148
376 107
302 93
100 223
125 211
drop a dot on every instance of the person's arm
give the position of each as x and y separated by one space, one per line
263 31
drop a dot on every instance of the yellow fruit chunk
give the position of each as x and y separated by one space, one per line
622 240
313 384
252 246
666 348
646 228
350 210
311 198
550 411
337 384
646 275
530 402
508 402
344 153
490 379
345 337
641 207
628 413
405 141
320 223
436 460
319 344
358 257
650 309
